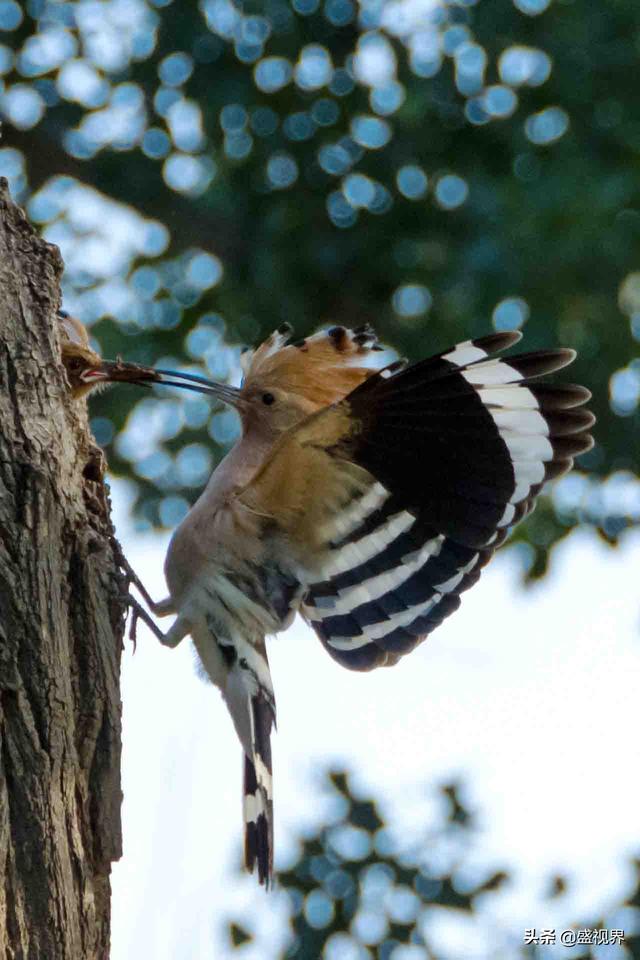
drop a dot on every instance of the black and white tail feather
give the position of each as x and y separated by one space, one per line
258 793
251 702
460 446
238 665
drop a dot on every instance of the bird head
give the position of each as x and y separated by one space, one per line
86 370
285 381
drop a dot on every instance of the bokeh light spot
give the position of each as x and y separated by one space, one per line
156 143
172 511
339 12
153 239
341 213
152 466
282 171
375 61
412 181
305 7
299 126
624 391
519 65
510 314
314 68
204 271
342 946
175 69
272 74
532 7
370 926
475 111
238 146
255 30
6 59
224 427
318 909
547 126
382 200
193 465
359 190
470 64
79 81
46 50
12 167
23 106
500 101
186 174
325 112
426 53
334 159
342 83
370 132
10 15
629 293
451 191
184 119
233 118
411 300
146 282
164 99
264 121
386 100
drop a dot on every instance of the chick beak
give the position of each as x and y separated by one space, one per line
117 371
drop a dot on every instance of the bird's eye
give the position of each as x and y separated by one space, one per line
268 399
75 364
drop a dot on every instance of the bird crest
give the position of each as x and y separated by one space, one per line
322 368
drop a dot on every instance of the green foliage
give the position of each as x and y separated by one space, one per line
483 170
355 892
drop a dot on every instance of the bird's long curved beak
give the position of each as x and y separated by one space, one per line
222 391
118 371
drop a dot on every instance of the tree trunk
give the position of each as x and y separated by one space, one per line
61 628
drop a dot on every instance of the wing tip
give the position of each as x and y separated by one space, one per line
501 340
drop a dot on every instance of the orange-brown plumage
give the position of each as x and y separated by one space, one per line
321 369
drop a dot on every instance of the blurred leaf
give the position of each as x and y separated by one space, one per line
238 935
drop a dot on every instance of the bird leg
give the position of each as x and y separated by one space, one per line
139 613
171 638
161 608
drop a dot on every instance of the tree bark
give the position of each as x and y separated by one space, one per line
61 629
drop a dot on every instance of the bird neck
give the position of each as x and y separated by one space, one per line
241 463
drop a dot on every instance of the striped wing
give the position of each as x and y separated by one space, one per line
455 449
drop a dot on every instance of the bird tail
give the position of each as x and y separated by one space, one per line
258 792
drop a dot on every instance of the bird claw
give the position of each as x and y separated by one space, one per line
138 611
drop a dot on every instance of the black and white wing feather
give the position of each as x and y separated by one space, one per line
459 445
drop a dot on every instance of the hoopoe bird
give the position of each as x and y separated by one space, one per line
365 495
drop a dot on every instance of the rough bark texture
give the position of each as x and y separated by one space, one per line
61 626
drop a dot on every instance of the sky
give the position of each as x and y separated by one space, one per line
528 696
